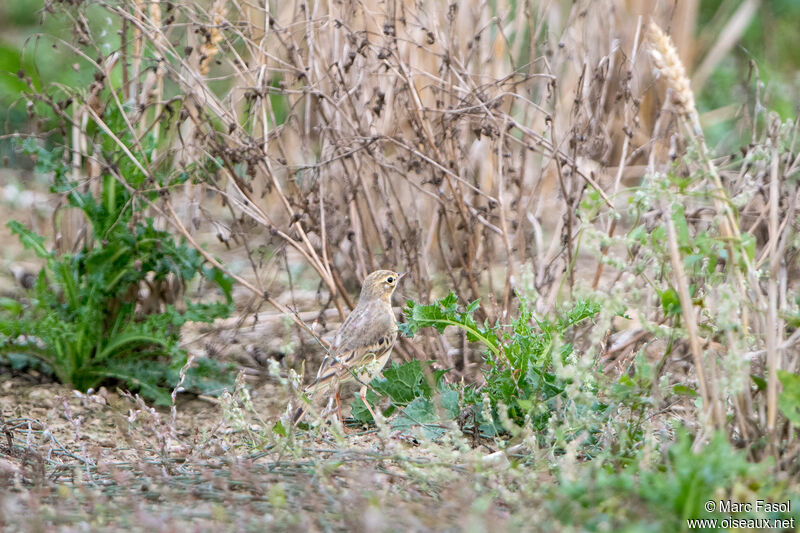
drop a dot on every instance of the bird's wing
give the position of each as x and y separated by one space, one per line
358 336
335 371
343 367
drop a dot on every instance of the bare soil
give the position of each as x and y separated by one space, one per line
103 462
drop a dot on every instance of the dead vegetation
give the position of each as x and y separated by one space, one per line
512 152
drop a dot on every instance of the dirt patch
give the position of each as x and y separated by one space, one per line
105 462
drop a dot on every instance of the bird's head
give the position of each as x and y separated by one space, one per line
380 285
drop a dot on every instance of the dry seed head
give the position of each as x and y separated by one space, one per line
669 64
217 18
209 48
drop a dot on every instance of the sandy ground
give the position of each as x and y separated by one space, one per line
103 462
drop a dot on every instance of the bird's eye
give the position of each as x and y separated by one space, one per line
390 279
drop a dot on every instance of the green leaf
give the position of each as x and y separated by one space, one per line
11 305
359 411
681 227
222 280
789 399
205 312
450 402
761 383
670 302
749 246
24 361
444 313
683 390
422 413
472 306
401 382
82 316
29 239
121 342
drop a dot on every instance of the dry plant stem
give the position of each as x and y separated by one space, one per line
313 65
554 151
138 44
503 222
455 189
356 224
174 219
307 249
303 116
783 230
125 67
688 312
612 225
729 228
666 59
566 230
772 340
729 225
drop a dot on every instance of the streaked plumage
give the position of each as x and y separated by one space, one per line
362 345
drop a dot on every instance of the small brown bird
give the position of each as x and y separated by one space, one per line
362 345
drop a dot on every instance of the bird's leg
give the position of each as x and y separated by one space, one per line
363 394
339 407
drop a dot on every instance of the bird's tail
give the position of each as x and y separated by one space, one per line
309 399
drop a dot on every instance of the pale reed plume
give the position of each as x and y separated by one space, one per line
669 64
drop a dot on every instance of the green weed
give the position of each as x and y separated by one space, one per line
81 317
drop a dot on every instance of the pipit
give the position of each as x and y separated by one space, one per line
362 345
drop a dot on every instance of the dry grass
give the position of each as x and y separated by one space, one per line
496 149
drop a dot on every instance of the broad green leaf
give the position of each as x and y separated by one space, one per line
29 239
444 313
419 414
278 429
11 305
789 399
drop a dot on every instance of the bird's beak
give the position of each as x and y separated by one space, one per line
400 275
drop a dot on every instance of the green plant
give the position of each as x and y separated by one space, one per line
520 373
662 493
83 317
414 390
789 399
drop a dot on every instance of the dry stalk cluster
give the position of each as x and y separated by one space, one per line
489 148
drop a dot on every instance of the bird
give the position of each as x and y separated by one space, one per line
362 345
